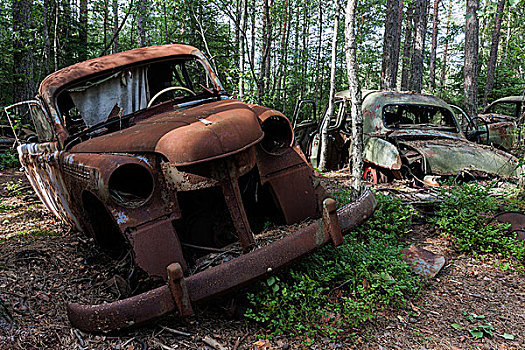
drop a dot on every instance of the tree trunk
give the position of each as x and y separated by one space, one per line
47 40
420 30
115 26
141 24
432 73
83 30
304 63
491 65
105 24
407 47
390 49
55 37
445 51
22 52
326 121
470 73
318 68
265 51
356 98
242 30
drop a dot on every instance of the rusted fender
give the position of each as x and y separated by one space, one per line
223 278
381 153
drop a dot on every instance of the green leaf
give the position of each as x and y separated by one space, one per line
275 287
456 326
270 281
508 336
476 333
468 16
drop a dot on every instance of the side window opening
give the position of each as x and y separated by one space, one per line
26 116
418 116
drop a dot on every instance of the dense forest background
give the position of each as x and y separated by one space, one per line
268 51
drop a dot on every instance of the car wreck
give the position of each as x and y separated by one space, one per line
145 151
504 120
405 135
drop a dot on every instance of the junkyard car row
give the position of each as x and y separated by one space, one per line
146 152
405 135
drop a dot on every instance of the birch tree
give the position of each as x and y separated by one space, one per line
470 71
330 112
356 97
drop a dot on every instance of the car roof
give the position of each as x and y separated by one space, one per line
510 99
382 98
105 64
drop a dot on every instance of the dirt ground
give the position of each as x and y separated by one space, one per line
43 266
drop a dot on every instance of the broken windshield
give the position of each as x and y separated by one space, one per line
122 93
411 116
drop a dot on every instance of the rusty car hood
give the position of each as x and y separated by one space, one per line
450 157
185 137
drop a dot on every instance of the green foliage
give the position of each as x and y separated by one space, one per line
14 188
341 287
9 159
465 215
4 206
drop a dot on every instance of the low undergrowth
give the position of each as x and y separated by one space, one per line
466 217
9 159
338 288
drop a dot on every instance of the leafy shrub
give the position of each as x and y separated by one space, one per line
465 216
9 159
340 287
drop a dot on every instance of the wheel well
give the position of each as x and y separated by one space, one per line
102 225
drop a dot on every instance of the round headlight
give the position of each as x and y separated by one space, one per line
278 134
131 185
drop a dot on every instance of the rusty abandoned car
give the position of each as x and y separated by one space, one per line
504 119
145 151
405 135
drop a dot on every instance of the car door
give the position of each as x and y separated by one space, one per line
39 157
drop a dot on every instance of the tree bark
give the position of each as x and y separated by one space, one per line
390 48
141 24
356 97
420 30
47 40
83 30
470 72
242 29
265 51
115 26
432 73
445 51
491 65
326 121
407 47
22 52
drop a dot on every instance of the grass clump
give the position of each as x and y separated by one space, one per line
340 287
465 216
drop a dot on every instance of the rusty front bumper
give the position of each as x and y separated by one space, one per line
180 292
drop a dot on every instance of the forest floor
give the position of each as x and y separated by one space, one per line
43 266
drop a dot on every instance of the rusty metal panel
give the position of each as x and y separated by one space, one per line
155 246
381 153
451 157
423 262
291 182
182 136
41 166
